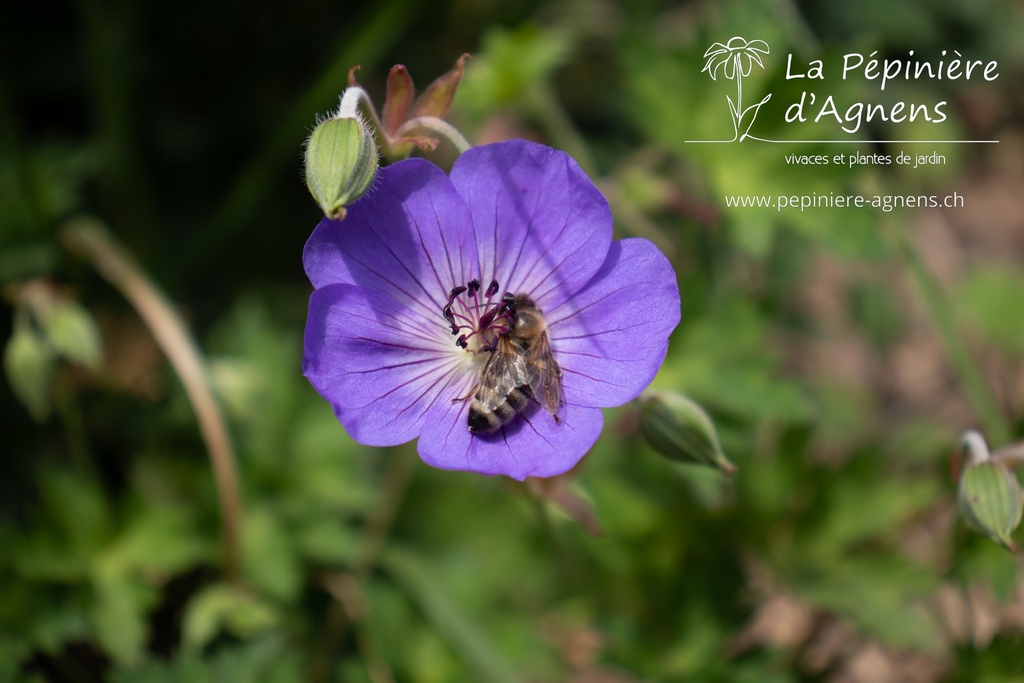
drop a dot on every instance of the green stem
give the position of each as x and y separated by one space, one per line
941 313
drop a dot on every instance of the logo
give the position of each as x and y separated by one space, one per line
734 60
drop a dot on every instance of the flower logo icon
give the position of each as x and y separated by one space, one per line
736 59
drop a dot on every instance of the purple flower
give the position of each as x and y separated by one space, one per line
409 305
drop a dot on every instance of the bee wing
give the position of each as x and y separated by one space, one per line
505 370
546 375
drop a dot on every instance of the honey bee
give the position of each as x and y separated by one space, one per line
520 367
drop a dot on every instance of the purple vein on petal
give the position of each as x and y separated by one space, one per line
407 329
602 380
411 297
455 278
438 370
441 287
452 375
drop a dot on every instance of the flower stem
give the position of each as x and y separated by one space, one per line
91 241
941 313
1011 455
974 443
739 90
350 100
435 125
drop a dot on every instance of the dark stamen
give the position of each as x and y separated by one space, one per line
476 319
455 292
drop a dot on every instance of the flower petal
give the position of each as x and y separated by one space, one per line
531 445
729 67
542 227
716 48
611 337
380 368
409 237
758 45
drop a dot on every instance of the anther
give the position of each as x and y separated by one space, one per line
492 289
461 341
447 313
455 292
474 287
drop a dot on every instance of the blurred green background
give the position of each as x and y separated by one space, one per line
840 352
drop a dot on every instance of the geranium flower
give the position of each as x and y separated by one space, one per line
408 302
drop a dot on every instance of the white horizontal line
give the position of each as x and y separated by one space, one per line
853 142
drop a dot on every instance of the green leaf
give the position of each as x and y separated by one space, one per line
885 597
992 299
28 363
466 638
73 333
119 615
327 540
157 540
269 556
221 607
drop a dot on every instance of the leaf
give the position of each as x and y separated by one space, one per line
465 637
158 540
327 540
119 615
264 660
993 300
885 597
72 333
28 364
269 556
221 607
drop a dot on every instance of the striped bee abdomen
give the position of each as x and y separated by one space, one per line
485 421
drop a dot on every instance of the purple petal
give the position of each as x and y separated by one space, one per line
532 445
611 338
410 237
380 367
542 227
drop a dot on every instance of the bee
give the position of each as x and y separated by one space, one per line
520 367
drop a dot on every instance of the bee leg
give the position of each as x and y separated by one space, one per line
471 394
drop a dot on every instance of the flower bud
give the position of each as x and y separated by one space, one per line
341 160
990 501
680 430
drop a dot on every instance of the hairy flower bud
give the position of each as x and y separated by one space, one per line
680 430
990 501
341 160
